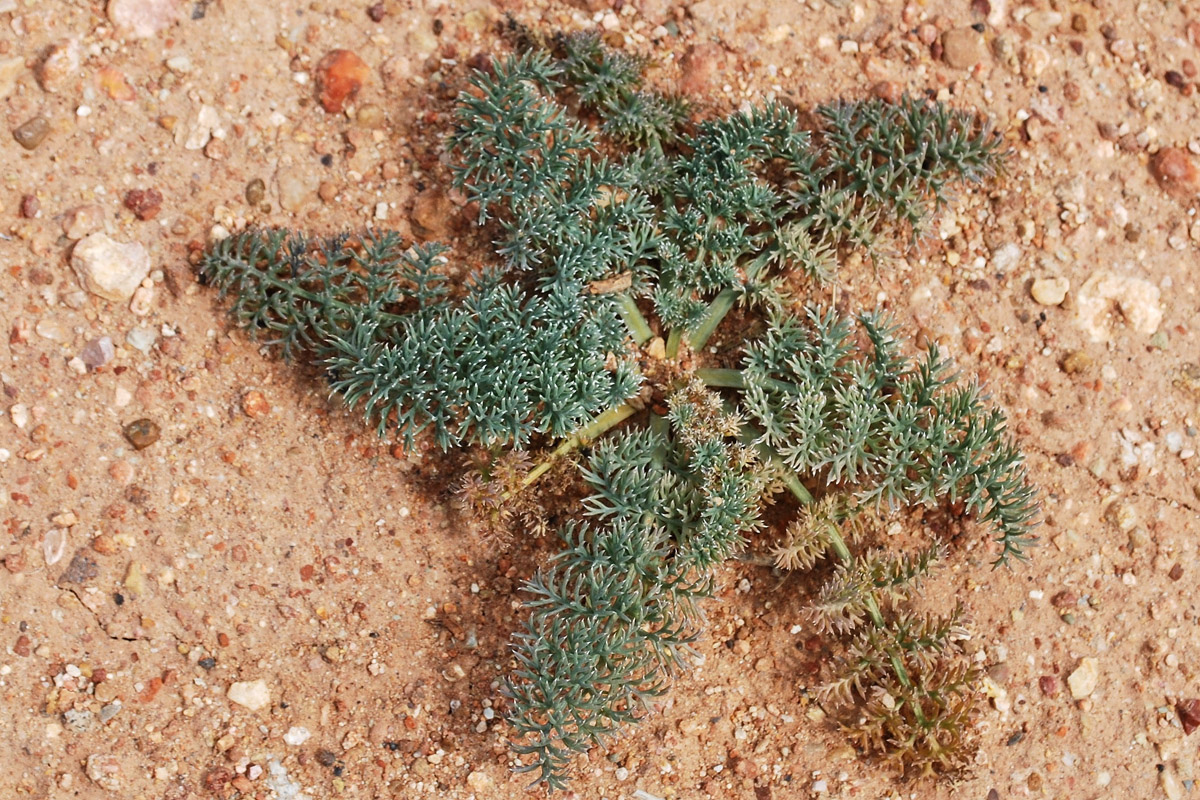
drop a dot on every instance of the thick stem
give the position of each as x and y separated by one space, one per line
717 309
715 378
639 328
597 427
673 342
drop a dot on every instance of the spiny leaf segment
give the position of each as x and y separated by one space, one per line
610 216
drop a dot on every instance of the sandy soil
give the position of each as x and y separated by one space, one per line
266 536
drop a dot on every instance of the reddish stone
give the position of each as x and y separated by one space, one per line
1175 171
144 203
339 76
1189 714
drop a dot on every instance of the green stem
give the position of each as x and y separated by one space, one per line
673 342
639 328
597 427
715 378
717 309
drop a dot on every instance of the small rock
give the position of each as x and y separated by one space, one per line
114 84
32 133
699 68
433 213
1082 682
1050 291
10 70
1049 685
77 720
296 188
1189 714
105 770
53 330
962 48
256 190
251 694
255 405
339 76
142 301
141 433
1171 786
370 116
1076 362
54 545
108 268
1176 172
479 781
141 338
1006 257
83 220
1034 60
296 736
1137 300
79 570
60 62
144 203
144 18
30 206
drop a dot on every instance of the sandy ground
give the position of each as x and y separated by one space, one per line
266 536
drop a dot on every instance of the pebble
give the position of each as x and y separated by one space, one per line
144 18
479 781
1137 299
141 433
296 736
1171 786
54 545
339 76
296 188
251 694
370 116
1076 362
962 48
1050 291
104 770
141 338
256 190
31 133
114 84
59 64
1189 714
110 269
52 330
10 70
1006 257
1034 60
432 213
83 220
255 405
144 203
77 720
142 301
1082 682
1176 172
1049 685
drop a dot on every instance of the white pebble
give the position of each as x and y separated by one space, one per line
251 694
296 736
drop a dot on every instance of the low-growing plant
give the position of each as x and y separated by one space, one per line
626 232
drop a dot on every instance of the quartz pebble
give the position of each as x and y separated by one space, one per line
141 338
104 771
110 269
1050 291
1082 682
296 736
83 220
10 70
144 18
296 188
251 694
1137 299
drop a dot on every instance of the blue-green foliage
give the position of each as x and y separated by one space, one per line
497 366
